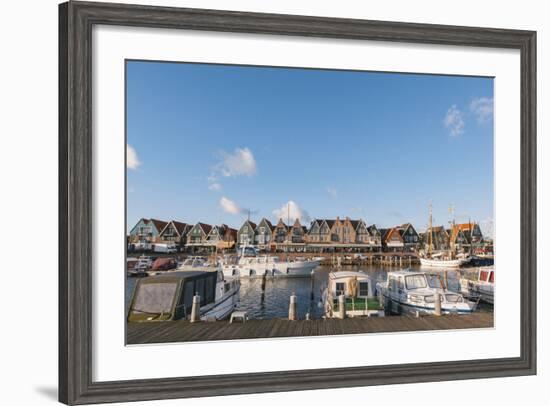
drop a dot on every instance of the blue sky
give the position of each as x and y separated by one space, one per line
211 142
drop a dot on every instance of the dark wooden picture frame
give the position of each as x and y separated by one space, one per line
76 20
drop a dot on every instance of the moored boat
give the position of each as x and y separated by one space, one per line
441 261
481 286
194 263
249 264
358 291
162 265
443 258
417 291
170 296
138 267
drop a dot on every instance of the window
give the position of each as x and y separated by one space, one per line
209 290
245 229
415 281
363 288
452 298
155 298
340 288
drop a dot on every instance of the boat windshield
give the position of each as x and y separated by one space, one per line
416 281
154 298
453 298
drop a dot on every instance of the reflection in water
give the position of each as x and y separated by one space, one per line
272 300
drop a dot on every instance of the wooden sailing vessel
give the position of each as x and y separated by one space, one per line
442 258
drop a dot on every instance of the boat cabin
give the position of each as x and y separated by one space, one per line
357 284
359 293
170 297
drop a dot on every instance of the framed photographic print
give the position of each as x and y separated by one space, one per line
258 202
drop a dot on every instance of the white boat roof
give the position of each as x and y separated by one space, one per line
348 274
405 273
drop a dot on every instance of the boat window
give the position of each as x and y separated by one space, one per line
340 288
415 281
154 298
226 287
188 292
199 290
483 276
492 277
363 288
209 290
434 281
452 298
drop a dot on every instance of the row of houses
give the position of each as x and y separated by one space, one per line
184 235
322 235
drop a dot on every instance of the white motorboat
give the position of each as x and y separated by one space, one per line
194 264
170 296
417 291
481 286
249 264
358 290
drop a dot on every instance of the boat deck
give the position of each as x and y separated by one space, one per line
184 331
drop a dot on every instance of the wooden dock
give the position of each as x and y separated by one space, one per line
184 331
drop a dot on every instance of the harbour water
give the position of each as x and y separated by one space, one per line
273 301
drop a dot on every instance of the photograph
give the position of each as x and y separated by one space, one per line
272 202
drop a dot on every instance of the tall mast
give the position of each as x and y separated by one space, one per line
453 226
430 230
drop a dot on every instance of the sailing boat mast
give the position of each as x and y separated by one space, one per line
430 230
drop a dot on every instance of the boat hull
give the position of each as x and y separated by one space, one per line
443 263
299 269
474 289
222 309
426 309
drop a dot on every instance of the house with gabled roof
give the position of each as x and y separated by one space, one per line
362 235
264 234
175 231
247 233
146 231
197 236
216 234
411 239
464 235
230 237
392 240
280 232
319 231
375 241
296 233
342 231
440 239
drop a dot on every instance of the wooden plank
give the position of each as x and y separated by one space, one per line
183 331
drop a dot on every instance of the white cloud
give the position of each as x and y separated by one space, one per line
239 163
216 187
229 206
332 191
454 121
482 107
132 160
292 211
